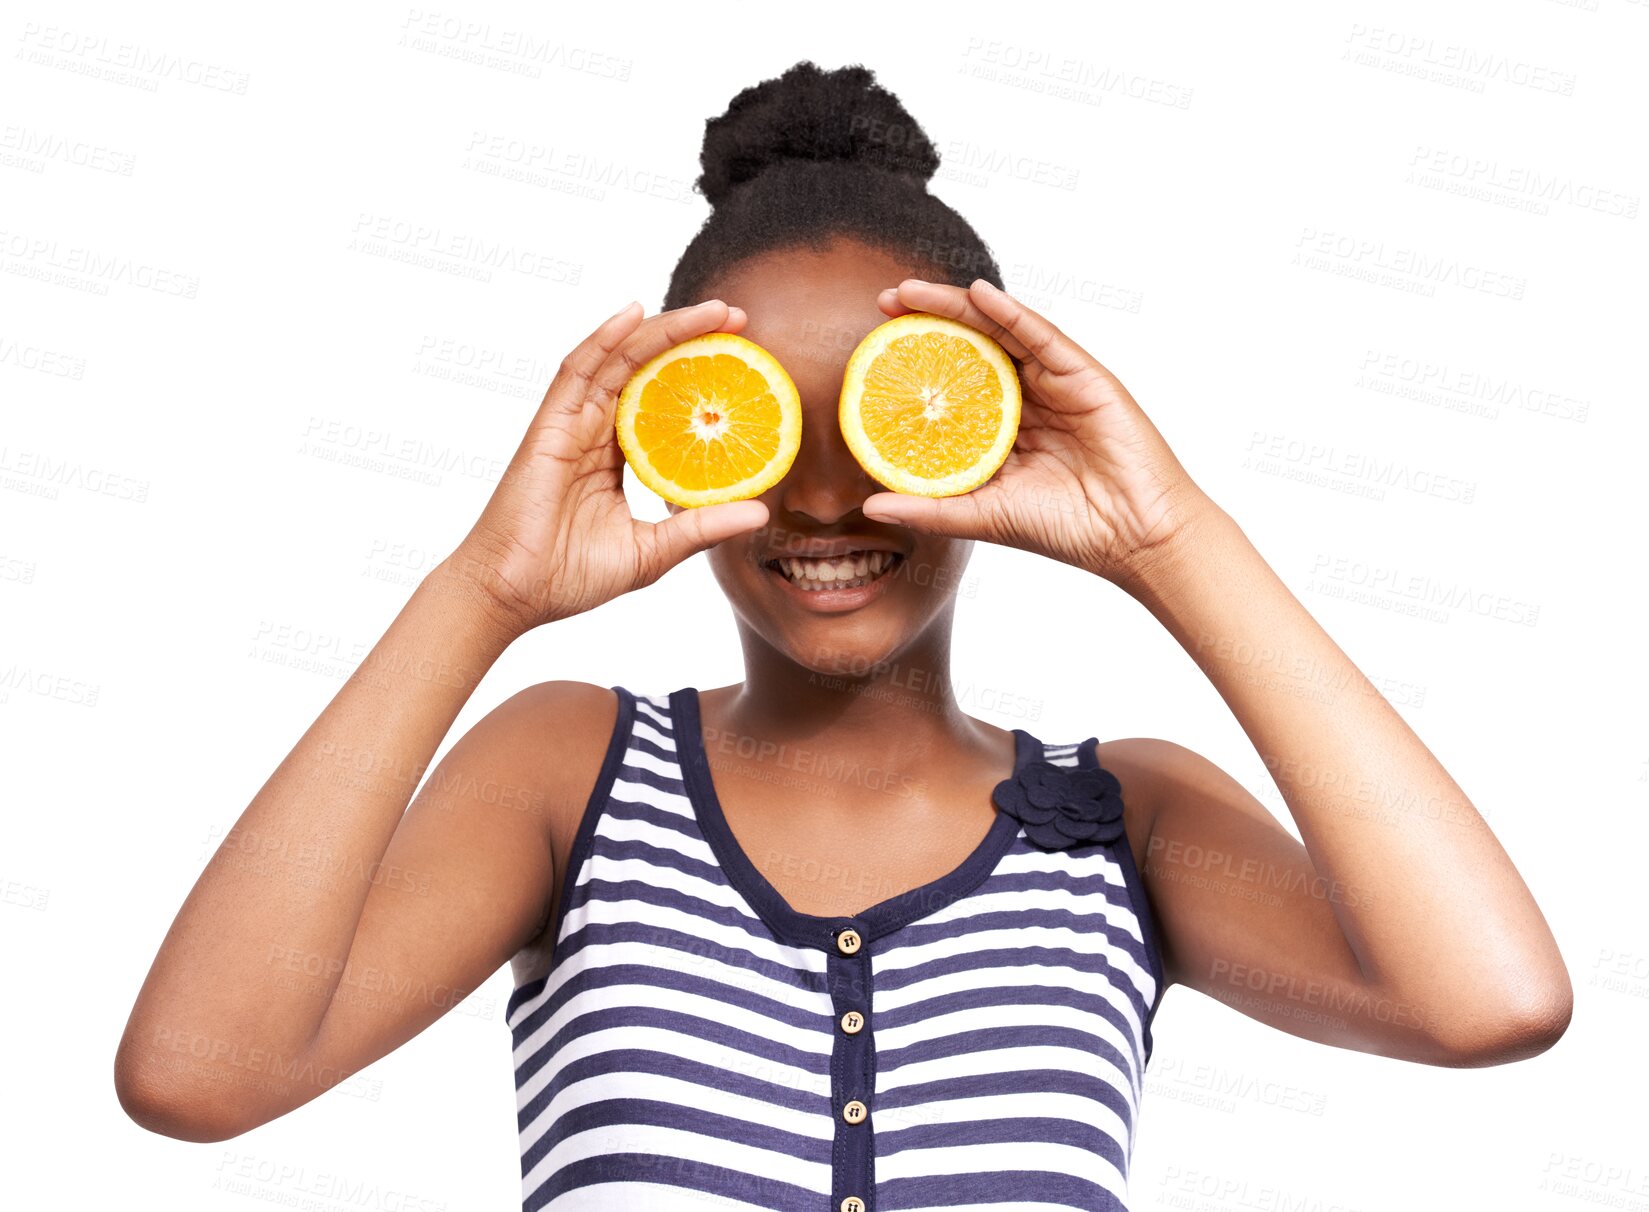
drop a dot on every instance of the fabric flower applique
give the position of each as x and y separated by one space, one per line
1063 806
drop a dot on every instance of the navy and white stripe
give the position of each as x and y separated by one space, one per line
681 1046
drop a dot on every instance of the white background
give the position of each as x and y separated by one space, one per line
209 513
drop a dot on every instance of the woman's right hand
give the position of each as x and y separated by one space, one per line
557 538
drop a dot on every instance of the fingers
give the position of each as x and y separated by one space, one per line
566 391
1022 332
1046 343
954 302
652 337
959 517
689 531
578 374
888 301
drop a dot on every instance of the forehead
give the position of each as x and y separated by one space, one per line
808 307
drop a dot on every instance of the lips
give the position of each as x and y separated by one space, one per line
846 570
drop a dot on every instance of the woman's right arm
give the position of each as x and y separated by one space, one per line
334 923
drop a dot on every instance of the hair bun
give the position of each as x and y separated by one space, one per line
812 115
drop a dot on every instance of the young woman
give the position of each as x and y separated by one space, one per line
819 939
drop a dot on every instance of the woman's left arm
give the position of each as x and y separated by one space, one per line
1400 926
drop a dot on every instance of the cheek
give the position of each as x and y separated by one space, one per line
939 570
952 555
730 568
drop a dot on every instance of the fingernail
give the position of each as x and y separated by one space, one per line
990 286
633 303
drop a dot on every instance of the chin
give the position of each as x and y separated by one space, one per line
843 650
842 606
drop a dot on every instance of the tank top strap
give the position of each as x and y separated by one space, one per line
1084 755
1076 822
637 814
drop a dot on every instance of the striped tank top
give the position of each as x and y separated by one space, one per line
978 1041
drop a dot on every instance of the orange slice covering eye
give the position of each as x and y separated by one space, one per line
713 419
929 406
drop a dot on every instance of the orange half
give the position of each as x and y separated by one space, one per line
929 406
713 419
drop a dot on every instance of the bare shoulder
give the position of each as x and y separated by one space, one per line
1153 772
1156 774
556 735
559 730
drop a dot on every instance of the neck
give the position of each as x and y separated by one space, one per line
904 703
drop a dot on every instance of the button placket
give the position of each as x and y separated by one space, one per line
848 970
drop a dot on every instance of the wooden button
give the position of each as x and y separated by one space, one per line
852 1021
847 942
855 1112
853 1204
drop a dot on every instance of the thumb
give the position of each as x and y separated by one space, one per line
689 531
957 517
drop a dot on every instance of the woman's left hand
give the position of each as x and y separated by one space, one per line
1089 480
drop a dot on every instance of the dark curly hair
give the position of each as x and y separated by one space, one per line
812 155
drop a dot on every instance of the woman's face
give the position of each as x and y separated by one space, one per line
809 309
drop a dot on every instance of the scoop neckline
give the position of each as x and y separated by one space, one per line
819 930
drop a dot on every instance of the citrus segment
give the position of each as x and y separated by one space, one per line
929 406
713 419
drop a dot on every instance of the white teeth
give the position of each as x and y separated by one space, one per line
839 572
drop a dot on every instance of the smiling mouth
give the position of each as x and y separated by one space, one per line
848 571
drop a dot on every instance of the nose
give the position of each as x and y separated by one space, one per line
825 483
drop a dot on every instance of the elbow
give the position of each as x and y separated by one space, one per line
159 1103
1517 1028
